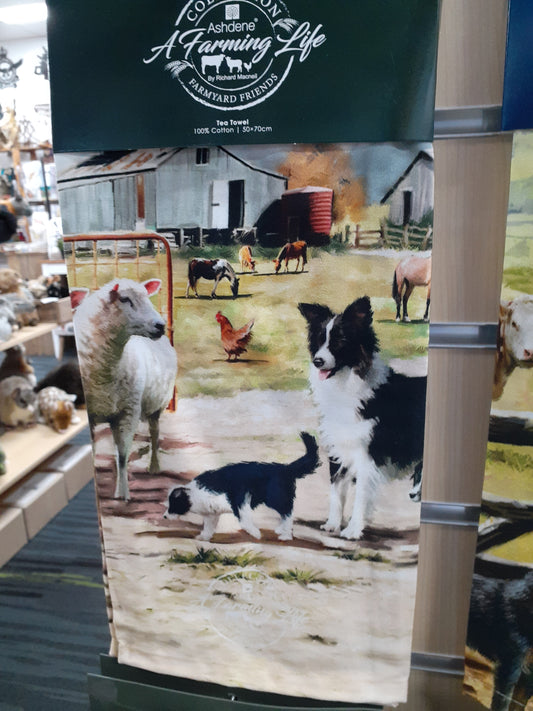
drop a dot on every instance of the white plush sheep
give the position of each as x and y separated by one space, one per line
8 320
128 366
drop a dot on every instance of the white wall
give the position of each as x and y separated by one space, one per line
32 89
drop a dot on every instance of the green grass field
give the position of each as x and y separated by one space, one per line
277 356
518 272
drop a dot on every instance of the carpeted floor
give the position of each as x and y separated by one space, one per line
53 622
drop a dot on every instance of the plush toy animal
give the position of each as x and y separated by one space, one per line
10 280
8 320
66 377
13 288
56 408
17 401
16 363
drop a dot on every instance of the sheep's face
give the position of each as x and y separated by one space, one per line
134 311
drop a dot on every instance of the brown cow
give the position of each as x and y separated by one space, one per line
515 340
245 258
292 250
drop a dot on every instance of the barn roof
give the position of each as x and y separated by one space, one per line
122 163
252 167
118 163
421 156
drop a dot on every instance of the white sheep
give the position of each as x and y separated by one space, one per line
128 366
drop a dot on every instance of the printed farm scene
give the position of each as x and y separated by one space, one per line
252 327
499 656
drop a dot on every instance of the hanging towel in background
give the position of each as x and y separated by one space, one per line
500 628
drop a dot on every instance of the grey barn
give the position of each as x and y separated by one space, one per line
166 190
411 197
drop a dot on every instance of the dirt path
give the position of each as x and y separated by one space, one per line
200 436
317 617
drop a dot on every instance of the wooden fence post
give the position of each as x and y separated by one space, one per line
357 235
384 235
426 238
405 237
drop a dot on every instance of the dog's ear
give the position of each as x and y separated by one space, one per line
179 501
359 313
315 313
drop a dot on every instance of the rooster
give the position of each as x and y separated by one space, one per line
234 341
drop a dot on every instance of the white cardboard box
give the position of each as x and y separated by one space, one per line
40 497
75 463
12 533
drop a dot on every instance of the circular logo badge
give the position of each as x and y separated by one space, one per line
232 55
246 606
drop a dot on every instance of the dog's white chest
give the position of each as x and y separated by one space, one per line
207 502
344 433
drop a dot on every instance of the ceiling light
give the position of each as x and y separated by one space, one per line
23 14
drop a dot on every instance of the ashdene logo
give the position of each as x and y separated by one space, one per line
232 55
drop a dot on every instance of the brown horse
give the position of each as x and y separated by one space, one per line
412 271
292 250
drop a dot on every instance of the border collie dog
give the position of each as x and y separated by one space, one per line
501 628
240 488
371 418
416 492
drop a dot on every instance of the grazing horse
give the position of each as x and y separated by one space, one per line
214 269
410 272
245 258
292 250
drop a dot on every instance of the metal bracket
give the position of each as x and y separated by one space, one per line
440 663
463 335
467 121
450 514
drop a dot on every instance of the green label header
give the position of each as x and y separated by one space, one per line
245 71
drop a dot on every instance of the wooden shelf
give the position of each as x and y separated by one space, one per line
26 448
28 333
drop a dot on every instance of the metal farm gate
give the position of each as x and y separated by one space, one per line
94 260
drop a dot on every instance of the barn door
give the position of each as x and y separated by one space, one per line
293 228
236 204
407 206
220 205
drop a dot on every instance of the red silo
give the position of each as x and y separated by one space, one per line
306 214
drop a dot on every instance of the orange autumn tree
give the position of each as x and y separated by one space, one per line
327 167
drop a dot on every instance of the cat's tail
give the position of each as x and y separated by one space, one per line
309 462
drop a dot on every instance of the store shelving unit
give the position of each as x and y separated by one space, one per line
29 497
28 333
26 449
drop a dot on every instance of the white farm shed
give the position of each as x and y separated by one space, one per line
411 197
166 189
